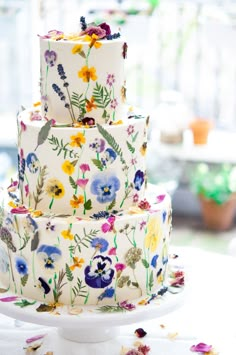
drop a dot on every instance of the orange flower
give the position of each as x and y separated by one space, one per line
90 104
87 73
77 263
76 202
78 140
93 41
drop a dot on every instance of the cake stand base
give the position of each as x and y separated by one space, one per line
89 335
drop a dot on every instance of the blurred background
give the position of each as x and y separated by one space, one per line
181 69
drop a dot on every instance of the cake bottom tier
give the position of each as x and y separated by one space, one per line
68 260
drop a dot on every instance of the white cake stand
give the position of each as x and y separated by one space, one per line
90 326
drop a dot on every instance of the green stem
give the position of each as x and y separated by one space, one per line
51 203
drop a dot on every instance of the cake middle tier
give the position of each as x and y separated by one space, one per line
81 171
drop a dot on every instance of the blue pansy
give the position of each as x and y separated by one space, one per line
49 255
100 244
32 163
154 260
108 157
21 265
138 179
108 293
105 187
99 274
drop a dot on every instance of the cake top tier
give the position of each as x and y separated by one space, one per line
82 74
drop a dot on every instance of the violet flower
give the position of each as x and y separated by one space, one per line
127 306
201 348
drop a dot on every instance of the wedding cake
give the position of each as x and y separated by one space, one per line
79 225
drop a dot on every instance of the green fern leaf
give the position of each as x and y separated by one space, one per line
69 274
24 280
112 205
72 182
130 147
98 164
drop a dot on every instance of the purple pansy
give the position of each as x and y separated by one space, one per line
32 163
49 254
96 30
105 187
99 273
98 145
105 27
21 265
138 179
100 244
50 57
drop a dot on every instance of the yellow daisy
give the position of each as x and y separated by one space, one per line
153 235
68 167
67 234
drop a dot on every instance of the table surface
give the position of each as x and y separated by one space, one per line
208 315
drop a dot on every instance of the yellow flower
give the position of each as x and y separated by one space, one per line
38 103
117 122
93 41
77 49
90 104
12 204
78 140
67 234
68 167
76 202
54 188
77 263
153 235
36 213
87 73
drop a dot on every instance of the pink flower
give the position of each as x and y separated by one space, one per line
114 103
105 27
112 251
109 227
35 116
135 198
82 183
127 306
133 161
21 153
9 299
160 198
142 224
201 348
110 79
34 338
98 31
144 205
120 267
13 186
23 126
130 130
19 210
26 190
84 168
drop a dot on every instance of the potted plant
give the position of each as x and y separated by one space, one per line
216 189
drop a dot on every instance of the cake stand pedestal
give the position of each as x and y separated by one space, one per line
86 324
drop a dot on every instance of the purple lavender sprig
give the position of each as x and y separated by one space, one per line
83 23
113 36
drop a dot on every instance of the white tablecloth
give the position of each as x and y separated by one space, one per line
208 315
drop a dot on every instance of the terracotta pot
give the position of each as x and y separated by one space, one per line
200 129
218 217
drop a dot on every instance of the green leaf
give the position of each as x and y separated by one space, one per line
135 137
24 279
69 274
24 303
98 164
3 290
111 309
88 205
151 281
72 182
45 308
130 147
145 263
112 205
43 133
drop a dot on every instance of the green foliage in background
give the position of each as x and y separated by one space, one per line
216 183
